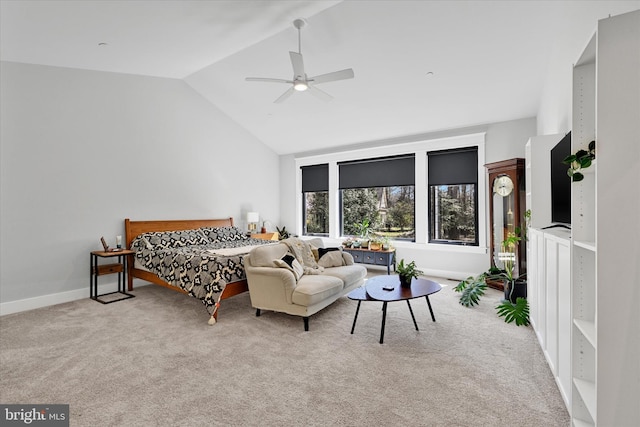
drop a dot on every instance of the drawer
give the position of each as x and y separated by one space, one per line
384 259
369 258
357 256
108 269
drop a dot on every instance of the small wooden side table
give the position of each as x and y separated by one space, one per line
119 267
265 236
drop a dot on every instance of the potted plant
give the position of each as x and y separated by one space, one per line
375 243
407 272
363 229
581 160
514 307
386 243
283 233
514 286
348 242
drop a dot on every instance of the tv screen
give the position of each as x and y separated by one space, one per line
560 182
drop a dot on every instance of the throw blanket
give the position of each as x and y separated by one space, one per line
303 253
201 270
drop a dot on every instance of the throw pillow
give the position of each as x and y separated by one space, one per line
331 259
290 262
322 251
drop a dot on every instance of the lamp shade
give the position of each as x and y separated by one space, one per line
253 217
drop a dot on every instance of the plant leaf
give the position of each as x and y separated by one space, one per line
577 176
518 312
472 293
585 162
592 146
567 160
581 153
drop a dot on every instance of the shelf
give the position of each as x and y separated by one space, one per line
588 245
587 390
588 330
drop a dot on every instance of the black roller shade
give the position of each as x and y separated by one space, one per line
380 172
315 178
452 167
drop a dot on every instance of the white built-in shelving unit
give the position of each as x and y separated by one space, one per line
549 261
605 330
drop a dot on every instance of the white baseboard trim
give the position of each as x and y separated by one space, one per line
445 274
59 298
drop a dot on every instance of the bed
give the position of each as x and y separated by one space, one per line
165 257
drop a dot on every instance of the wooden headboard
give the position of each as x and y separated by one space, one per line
134 228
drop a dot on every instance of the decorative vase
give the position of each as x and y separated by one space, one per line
405 281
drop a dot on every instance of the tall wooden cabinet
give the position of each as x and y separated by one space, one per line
605 278
506 209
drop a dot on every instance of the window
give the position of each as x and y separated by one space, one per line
453 207
381 191
315 199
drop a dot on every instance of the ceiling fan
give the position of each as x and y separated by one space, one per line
300 81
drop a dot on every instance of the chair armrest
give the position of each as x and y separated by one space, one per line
270 287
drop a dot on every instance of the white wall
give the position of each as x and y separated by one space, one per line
554 113
83 150
504 140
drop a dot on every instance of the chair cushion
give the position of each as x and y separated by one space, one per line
348 274
313 289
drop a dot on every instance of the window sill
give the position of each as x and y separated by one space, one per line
437 247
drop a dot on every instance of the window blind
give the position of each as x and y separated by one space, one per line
452 167
315 178
378 172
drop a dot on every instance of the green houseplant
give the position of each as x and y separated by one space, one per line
407 273
363 228
581 160
283 233
375 243
514 307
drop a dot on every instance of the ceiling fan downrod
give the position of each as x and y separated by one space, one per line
299 23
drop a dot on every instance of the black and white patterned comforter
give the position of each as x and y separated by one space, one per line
189 259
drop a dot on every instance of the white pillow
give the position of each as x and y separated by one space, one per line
290 262
331 259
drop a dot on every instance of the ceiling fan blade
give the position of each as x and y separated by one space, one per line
330 77
269 80
298 65
285 95
320 93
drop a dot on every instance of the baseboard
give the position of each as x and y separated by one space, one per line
445 274
59 298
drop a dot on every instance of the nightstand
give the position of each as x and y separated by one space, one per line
119 266
265 236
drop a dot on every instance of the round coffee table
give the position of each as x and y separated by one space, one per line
388 289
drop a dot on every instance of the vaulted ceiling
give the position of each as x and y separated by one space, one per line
420 66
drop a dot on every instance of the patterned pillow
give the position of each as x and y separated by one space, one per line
223 234
174 239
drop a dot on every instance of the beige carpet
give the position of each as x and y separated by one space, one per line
153 361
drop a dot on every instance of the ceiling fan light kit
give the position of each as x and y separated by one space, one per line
300 82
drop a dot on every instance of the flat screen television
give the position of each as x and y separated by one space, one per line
560 183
